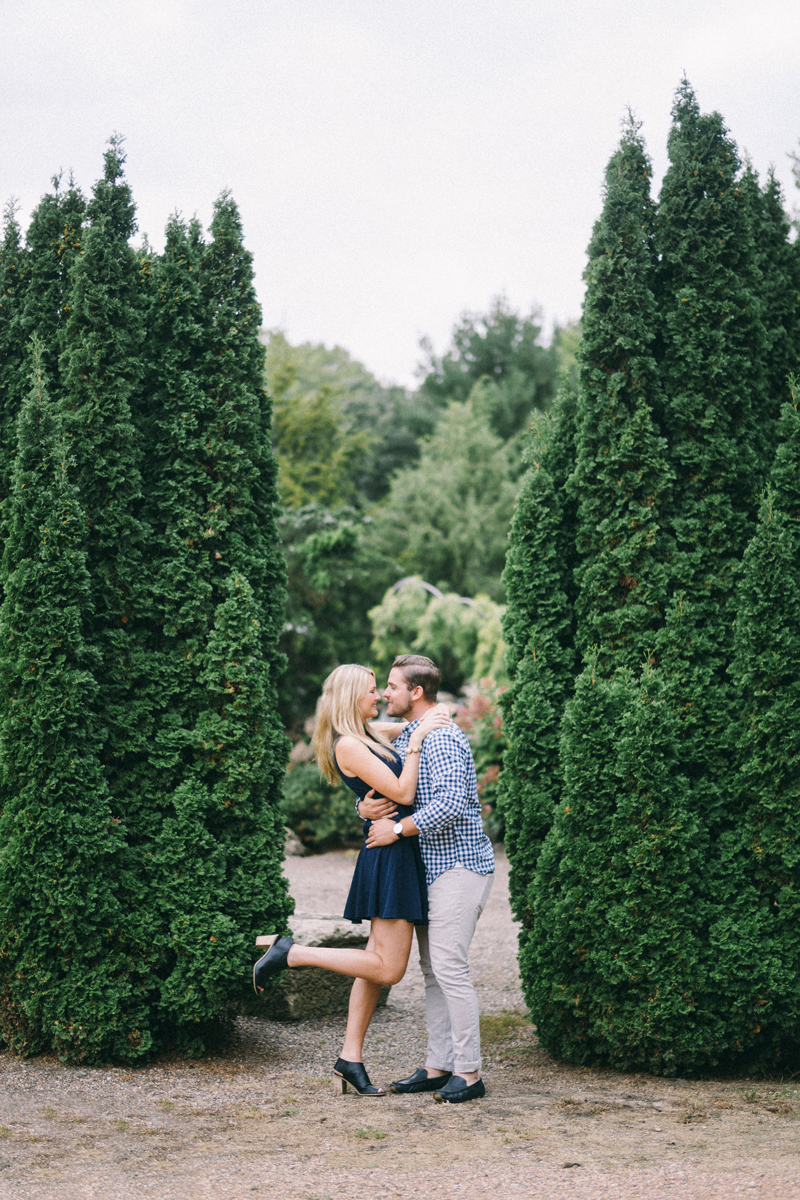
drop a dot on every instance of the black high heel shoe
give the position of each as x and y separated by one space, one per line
353 1073
273 962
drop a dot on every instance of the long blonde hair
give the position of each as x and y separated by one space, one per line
339 713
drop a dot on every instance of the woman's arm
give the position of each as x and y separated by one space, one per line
355 758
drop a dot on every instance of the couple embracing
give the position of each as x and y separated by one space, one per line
426 864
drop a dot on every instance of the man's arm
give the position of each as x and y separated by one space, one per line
448 773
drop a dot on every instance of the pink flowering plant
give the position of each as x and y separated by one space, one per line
481 719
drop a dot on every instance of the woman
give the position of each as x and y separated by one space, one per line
388 887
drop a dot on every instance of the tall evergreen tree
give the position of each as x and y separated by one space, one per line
100 370
13 351
713 345
68 982
53 243
538 630
621 473
208 829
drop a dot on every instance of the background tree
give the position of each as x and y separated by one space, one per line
502 350
70 981
446 519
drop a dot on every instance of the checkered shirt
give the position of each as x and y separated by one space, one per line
447 811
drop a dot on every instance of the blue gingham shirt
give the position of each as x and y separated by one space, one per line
447 811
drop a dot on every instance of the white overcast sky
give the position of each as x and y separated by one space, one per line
395 162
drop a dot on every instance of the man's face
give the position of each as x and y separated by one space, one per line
398 694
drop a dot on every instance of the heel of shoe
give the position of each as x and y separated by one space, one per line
339 1085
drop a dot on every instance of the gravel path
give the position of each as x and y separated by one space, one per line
259 1118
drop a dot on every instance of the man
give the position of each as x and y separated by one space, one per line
459 867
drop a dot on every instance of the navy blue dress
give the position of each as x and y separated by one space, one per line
389 881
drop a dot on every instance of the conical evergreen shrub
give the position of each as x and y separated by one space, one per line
68 981
100 370
621 473
13 350
214 774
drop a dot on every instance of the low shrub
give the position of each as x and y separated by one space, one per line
322 816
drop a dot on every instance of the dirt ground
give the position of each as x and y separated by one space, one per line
260 1117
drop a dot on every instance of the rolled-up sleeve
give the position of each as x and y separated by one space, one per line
447 779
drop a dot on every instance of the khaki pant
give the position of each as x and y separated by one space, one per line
455 901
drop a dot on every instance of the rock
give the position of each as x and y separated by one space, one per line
306 992
293 844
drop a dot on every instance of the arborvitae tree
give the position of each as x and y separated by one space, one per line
539 633
53 243
67 980
766 669
621 471
209 821
778 261
100 369
713 351
714 414
13 350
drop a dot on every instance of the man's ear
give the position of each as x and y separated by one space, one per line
416 694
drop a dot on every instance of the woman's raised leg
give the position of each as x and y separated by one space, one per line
384 960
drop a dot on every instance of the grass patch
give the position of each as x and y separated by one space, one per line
50 1112
373 1135
5 1132
167 1105
503 1026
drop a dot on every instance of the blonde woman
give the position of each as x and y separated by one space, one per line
388 887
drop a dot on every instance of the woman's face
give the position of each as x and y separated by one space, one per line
369 701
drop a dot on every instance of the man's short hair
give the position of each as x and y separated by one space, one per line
420 671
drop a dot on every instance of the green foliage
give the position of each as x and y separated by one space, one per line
322 816
621 473
462 636
335 571
447 518
69 978
381 425
501 351
319 460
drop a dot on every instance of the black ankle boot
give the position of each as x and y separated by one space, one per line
273 962
353 1073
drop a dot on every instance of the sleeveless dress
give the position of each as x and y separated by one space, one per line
389 881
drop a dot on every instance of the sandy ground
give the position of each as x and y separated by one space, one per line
261 1118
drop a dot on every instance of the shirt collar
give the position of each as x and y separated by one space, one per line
412 725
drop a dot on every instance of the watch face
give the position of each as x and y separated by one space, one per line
398 829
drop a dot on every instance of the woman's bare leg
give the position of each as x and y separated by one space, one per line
363 1001
385 962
